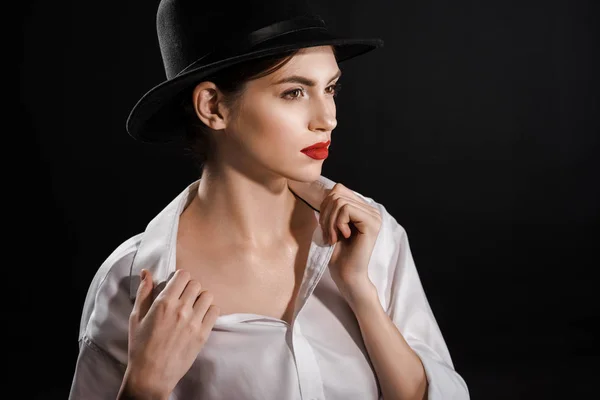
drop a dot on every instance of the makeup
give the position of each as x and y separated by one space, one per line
317 154
318 151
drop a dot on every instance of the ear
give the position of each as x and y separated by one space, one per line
208 104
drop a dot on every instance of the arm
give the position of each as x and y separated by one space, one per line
399 369
135 389
97 375
402 337
102 358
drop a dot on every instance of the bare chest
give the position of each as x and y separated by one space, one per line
243 283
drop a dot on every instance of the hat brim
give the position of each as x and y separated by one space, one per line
156 118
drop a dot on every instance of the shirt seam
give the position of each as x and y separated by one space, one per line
172 232
111 264
87 341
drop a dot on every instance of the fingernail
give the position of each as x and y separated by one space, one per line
143 274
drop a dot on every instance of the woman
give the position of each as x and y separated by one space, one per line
263 279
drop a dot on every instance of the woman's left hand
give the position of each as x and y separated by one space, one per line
346 219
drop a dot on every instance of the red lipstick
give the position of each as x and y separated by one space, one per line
318 151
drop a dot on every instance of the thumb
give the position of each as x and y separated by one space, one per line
143 299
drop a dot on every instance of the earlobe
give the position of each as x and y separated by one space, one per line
206 98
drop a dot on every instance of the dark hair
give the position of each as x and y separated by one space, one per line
231 82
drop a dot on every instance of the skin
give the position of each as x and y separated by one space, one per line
165 335
243 199
244 191
246 201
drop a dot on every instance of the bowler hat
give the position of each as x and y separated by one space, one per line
199 38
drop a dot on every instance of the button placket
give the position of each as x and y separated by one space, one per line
309 373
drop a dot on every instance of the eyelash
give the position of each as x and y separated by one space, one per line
336 90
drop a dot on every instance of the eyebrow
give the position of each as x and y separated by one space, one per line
303 80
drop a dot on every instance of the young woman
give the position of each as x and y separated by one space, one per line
263 279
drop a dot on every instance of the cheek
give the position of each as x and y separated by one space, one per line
273 120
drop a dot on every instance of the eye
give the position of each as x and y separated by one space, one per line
334 89
293 94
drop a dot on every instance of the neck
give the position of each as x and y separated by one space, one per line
247 213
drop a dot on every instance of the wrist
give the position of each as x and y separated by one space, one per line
138 386
360 295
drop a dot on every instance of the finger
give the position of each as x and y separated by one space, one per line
324 215
334 202
210 317
346 212
191 292
343 220
176 285
332 223
202 305
359 205
355 199
359 215
349 193
143 299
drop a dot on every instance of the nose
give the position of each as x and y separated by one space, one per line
323 115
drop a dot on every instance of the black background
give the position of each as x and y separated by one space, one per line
476 126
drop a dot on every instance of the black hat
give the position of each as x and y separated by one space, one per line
199 38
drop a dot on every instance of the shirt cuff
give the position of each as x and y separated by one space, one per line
444 383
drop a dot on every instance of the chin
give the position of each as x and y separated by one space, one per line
309 174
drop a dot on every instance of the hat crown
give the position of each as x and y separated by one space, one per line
190 29
198 40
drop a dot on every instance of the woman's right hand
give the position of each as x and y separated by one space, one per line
166 335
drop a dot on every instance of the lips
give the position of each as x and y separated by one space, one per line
317 146
318 151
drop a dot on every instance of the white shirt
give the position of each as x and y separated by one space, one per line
320 356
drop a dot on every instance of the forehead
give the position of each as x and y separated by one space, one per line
317 63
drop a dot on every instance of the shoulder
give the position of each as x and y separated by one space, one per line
390 227
105 314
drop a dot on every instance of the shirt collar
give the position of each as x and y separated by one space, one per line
157 248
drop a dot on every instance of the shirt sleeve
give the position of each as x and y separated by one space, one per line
410 311
97 376
104 328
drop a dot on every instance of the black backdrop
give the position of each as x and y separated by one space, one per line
476 126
